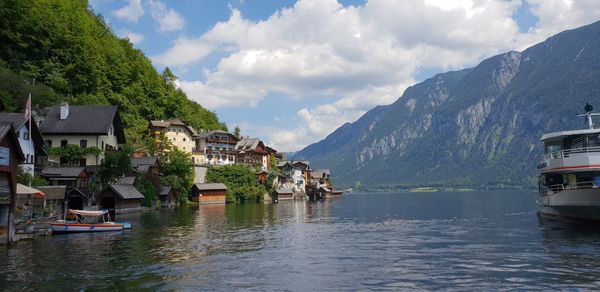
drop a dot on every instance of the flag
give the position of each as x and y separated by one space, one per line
28 108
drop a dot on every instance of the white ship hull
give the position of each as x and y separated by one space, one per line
578 205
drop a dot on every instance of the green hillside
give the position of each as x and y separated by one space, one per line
60 51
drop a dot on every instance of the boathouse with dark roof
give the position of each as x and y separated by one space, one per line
120 199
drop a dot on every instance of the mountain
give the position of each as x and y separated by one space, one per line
477 127
59 50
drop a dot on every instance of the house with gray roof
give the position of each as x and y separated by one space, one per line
77 181
32 143
120 199
84 126
253 152
176 131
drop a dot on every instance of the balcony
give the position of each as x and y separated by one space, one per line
570 159
220 141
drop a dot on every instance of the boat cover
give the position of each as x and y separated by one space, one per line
88 213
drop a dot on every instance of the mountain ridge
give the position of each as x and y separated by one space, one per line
476 127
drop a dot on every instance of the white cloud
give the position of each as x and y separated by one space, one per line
132 12
364 55
168 19
134 38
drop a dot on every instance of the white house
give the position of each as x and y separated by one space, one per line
85 126
32 145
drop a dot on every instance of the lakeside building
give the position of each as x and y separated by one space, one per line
294 176
209 193
77 181
32 144
120 199
252 152
215 148
167 197
84 126
11 156
176 131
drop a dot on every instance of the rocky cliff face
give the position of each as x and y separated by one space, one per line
473 127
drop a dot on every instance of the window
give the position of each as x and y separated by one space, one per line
183 147
25 135
63 143
48 143
83 143
102 146
183 139
82 162
175 139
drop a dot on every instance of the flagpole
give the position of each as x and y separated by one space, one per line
31 139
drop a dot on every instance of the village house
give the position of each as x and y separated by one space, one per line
253 152
84 126
215 148
176 131
283 195
294 176
77 181
167 197
149 165
120 199
11 156
209 193
32 144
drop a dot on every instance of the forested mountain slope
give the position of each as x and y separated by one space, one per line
60 51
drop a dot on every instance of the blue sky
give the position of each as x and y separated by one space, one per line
290 72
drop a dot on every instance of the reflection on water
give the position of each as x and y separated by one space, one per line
478 240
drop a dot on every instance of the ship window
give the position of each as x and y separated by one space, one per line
553 147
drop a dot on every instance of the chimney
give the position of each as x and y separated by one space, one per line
64 110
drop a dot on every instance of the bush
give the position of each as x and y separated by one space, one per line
241 181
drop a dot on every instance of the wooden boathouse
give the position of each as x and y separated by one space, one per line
209 193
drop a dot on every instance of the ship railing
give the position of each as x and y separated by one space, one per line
567 152
580 185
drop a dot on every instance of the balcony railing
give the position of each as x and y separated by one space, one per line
222 141
567 152
576 186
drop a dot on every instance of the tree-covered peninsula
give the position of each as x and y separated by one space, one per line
59 50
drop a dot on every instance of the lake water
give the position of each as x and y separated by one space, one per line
444 240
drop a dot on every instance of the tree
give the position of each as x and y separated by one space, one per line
237 132
116 164
27 179
178 170
241 181
71 155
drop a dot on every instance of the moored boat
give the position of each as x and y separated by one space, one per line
88 221
569 178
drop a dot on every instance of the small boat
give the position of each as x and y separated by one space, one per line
569 179
88 221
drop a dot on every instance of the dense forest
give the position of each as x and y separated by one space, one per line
59 50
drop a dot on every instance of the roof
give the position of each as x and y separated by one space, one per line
137 161
165 190
63 171
172 122
320 172
283 191
84 119
128 180
557 136
210 186
213 132
249 144
54 192
7 131
125 192
324 188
